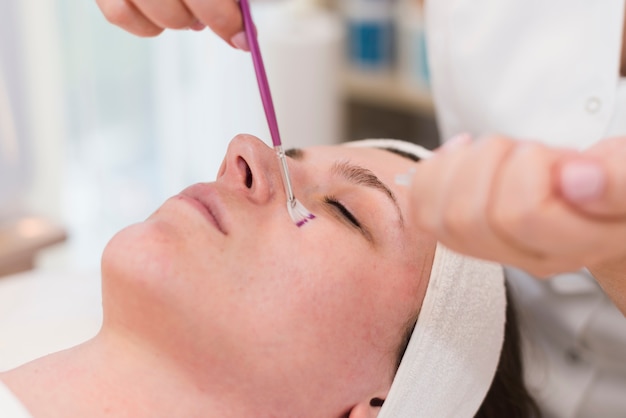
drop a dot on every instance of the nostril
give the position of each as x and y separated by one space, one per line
243 166
248 174
248 177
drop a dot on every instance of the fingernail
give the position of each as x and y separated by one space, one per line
457 141
240 41
582 181
197 26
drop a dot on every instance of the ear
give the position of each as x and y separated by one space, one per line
369 408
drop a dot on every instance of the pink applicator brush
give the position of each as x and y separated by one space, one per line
299 214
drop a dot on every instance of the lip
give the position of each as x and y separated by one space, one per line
207 200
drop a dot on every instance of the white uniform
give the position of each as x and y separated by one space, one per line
10 406
545 70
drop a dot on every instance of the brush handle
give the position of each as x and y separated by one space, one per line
259 69
284 171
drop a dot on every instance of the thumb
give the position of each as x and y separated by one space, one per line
594 186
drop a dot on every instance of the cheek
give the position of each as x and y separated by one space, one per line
308 269
344 325
327 298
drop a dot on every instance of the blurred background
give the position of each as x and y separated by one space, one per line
99 127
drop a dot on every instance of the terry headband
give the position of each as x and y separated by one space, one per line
454 351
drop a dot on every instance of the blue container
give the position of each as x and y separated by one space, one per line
371 33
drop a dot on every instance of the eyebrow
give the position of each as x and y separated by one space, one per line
356 175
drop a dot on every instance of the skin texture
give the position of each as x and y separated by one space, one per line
510 201
249 315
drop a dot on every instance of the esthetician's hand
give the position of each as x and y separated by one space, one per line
151 17
524 204
608 202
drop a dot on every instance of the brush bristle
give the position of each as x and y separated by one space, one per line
299 214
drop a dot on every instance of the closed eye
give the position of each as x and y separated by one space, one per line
331 200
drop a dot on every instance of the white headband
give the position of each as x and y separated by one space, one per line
454 351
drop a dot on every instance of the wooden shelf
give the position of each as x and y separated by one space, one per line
388 90
22 237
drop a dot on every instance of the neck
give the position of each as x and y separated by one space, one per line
112 376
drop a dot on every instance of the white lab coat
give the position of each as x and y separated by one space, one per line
545 70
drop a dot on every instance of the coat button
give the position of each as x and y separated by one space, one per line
593 105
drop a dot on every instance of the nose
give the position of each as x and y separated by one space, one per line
251 167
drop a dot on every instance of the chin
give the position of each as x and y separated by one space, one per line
137 266
140 252
148 289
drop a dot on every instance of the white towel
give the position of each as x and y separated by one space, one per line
454 351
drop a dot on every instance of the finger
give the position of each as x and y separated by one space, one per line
443 184
595 182
128 17
222 16
526 210
573 240
450 193
171 14
455 142
523 186
430 182
463 211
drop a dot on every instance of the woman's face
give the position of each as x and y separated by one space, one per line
221 278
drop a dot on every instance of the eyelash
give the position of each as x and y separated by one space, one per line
331 200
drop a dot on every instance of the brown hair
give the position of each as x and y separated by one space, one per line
508 395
